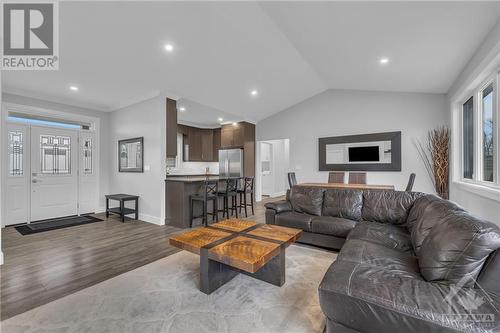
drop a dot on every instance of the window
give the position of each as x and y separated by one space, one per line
487 133
34 121
468 138
87 156
55 154
15 153
479 138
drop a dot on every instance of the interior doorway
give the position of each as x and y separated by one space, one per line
273 160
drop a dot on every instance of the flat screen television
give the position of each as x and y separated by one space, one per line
364 154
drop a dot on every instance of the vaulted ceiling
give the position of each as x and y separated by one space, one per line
114 51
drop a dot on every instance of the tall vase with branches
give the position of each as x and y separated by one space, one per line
435 155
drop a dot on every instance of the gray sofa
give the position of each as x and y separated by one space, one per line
409 262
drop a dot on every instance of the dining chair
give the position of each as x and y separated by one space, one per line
411 181
336 177
292 180
357 177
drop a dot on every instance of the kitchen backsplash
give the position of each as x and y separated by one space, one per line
195 168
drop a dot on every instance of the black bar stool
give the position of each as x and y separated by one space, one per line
244 191
210 190
231 191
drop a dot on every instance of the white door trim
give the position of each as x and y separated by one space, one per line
6 108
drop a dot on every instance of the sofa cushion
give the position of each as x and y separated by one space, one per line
488 278
307 199
343 203
294 220
456 249
335 226
389 235
388 206
427 212
371 298
279 206
418 208
366 252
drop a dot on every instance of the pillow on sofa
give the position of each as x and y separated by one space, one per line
343 203
388 206
457 248
428 212
307 200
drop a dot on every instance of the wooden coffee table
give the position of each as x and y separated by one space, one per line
236 246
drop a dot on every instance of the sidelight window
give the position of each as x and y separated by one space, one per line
16 153
55 154
87 157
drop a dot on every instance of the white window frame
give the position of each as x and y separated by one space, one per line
477 184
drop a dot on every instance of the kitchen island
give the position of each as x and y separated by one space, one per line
178 189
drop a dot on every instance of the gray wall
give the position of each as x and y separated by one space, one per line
146 119
484 62
343 112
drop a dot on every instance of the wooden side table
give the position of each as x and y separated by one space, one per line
122 210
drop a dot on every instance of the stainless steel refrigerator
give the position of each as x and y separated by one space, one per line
231 163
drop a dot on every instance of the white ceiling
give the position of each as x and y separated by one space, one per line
288 51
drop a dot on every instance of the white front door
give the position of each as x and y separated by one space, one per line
54 173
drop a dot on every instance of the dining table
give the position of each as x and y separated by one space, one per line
349 186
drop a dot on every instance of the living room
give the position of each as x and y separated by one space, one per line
250 166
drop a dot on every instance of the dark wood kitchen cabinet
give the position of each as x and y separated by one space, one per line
194 142
235 135
200 144
216 144
207 144
171 119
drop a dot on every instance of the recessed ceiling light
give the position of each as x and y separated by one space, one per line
169 47
384 61
182 109
254 92
221 119
74 88
235 124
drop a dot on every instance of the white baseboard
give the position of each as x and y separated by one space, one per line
143 217
151 219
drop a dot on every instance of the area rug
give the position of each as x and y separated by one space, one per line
163 297
65 222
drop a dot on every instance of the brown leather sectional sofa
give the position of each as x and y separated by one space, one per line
408 262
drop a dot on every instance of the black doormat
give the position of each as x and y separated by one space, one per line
64 222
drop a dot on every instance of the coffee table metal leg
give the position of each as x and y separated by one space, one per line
273 272
214 274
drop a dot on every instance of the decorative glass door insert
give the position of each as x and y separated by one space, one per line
55 154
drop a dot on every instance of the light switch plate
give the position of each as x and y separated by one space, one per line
147 167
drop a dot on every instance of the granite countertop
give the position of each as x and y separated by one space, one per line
190 179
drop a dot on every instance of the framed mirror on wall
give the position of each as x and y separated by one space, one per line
131 155
364 152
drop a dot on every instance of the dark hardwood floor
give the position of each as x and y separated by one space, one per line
43 267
